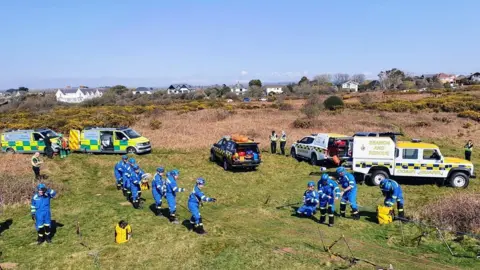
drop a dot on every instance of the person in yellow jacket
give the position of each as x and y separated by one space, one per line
273 142
283 141
468 150
36 163
123 232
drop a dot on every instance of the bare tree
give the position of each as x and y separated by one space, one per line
340 78
390 79
322 79
359 78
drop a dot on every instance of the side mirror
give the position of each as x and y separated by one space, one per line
298 141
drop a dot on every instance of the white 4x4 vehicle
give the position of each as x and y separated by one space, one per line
322 147
377 158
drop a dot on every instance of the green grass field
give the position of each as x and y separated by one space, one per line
244 231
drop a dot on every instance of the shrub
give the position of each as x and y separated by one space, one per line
366 99
420 124
19 190
444 212
155 124
285 107
312 107
303 123
333 102
467 125
442 119
470 115
222 114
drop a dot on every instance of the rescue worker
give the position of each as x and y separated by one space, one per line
40 211
194 201
310 201
171 193
349 194
393 193
283 141
328 193
119 170
36 163
48 146
135 182
126 178
158 189
123 232
468 150
273 142
63 147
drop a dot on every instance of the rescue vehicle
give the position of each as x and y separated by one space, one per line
236 151
377 158
323 147
108 140
28 140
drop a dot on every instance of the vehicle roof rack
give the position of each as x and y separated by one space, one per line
416 140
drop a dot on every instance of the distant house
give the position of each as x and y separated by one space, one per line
273 89
142 90
445 78
239 89
351 86
179 89
77 94
475 77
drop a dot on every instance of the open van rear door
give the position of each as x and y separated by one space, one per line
74 140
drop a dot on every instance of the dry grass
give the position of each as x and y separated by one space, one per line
196 130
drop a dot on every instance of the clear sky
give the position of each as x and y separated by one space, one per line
154 43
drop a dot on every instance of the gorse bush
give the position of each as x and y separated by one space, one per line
333 102
19 190
303 123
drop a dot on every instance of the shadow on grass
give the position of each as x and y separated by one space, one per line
5 225
55 225
369 216
186 223
163 211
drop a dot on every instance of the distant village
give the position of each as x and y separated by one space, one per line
82 93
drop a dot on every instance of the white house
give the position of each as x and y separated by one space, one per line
142 90
351 86
77 95
239 89
179 89
475 77
273 89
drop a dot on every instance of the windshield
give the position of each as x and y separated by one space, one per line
132 134
49 132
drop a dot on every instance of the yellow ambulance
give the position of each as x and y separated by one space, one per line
28 140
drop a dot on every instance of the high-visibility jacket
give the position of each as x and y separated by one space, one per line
273 138
468 147
283 138
121 235
35 162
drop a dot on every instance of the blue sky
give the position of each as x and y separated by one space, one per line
154 43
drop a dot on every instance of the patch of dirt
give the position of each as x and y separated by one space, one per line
8 265
125 203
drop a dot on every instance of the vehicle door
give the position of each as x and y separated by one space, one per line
432 164
303 147
407 162
91 140
120 141
219 148
37 142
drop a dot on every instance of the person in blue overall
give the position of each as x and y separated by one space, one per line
310 201
40 211
194 201
393 193
158 190
126 179
119 170
328 192
135 182
171 194
349 194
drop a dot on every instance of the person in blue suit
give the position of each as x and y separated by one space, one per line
194 201
349 194
393 193
135 182
171 193
40 211
158 189
126 179
328 192
119 170
310 201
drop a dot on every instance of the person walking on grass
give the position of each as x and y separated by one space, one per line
36 163
194 202
283 141
468 150
273 142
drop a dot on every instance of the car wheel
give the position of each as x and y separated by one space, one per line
10 151
293 153
459 180
212 156
313 160
225 165
376 177
131 150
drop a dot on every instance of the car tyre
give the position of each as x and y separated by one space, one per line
376 177
459 180
314 160
131 150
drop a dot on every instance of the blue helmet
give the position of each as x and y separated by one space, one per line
325 177
132 160
385 185
201 181
136 167
340 170
41 186
124 157
175 172
160 169
311 184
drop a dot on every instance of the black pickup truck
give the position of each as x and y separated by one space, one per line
236 154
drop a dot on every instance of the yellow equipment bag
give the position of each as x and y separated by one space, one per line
384 214
145 186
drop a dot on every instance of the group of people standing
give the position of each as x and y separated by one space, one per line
129 178
273 142
328 191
